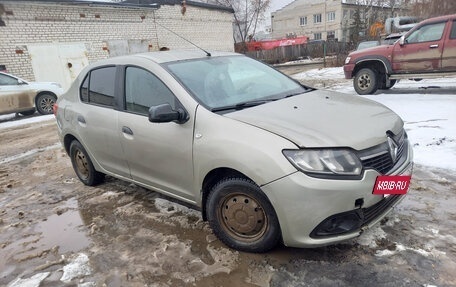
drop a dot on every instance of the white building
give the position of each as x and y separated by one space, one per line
329 19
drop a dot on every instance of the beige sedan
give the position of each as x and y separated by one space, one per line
20 96
266 159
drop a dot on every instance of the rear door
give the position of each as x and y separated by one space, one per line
422 50
449 50
97 120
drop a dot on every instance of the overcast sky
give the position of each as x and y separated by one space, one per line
275 5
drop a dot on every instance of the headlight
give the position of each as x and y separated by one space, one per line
347 60
325 161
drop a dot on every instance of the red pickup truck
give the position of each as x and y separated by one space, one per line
426 51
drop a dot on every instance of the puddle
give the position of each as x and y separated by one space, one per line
66 230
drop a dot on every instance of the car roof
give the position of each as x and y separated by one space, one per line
167 56
440 18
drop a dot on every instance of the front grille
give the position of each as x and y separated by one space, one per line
379 158
375 210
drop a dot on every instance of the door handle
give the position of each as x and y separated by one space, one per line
434 46
81 119
127 130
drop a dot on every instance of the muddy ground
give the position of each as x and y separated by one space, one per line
58 232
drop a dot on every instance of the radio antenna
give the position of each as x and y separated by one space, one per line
207 53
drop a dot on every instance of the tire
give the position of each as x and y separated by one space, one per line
242 217
45 102
366 82
28 113
83 166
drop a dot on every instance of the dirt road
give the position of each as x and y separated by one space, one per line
56 231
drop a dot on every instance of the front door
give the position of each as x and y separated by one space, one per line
159 154
421 51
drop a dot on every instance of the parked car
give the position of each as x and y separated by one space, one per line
20 96
426 51
265 158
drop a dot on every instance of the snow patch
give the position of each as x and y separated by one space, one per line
30 152
78 267
400 248
33 281
18 123
370 236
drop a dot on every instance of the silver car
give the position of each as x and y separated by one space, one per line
266 159
20 96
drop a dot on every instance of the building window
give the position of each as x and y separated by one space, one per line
303 21
331 16
317 18
330 35
317 36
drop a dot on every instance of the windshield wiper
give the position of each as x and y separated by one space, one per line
242 105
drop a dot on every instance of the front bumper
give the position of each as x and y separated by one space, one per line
348 70
303 203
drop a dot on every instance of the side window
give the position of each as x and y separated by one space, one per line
7 80
84 90
453 30
98 87
427 33
102 86
144 90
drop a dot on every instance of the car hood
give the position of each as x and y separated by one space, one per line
324 119
382 49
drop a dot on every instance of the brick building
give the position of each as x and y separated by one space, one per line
52 40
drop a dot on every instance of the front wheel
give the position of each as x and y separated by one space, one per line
45 102
366 82
83 166
242 217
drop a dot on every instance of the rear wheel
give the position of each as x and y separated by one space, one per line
83 166
241 216
45 102
366 82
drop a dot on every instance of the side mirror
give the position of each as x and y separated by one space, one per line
402 40
164 114
20 82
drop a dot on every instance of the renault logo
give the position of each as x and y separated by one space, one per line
392 145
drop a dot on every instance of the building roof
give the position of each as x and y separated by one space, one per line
132 3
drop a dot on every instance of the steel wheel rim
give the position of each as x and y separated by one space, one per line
46 104
81 164
243 217
364 82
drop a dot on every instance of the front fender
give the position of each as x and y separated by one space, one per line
224 142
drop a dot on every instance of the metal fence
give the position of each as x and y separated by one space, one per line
315 49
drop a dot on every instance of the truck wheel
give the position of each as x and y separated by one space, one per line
366 82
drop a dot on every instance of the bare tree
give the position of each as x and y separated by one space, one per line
431 8
247 16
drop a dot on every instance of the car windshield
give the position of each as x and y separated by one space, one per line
233 82
367 44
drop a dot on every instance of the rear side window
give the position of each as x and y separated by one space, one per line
453 30
144 90
99 87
